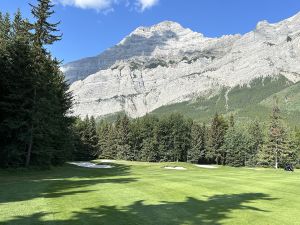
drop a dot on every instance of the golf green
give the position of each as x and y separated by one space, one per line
136 193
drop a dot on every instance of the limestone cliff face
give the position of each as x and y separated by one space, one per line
166 63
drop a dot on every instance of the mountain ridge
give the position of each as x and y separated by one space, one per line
166 63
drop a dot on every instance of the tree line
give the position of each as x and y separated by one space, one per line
175 138
35 129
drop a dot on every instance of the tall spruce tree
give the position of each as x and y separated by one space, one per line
297 145
146 138
276 145
236 145
257 137
49 125
42 34
217 133
198 148
107 141
44 31
124 151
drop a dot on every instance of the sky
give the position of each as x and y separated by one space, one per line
91 26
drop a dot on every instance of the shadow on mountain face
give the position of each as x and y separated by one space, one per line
58 182
191 211
133 46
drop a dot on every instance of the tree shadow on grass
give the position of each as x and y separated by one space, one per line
191 211
67 180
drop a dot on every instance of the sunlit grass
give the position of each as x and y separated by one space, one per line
146 193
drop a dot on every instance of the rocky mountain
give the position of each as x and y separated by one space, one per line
167 64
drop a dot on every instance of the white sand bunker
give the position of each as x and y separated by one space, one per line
207 166
174 168
90 165
107 160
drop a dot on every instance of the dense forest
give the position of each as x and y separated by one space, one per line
36 128
175 138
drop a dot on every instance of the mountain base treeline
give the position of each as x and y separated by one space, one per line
175 138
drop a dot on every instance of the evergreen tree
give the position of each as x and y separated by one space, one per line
181 135
173 137
216 140
93 136
256 136
236 145
87 139
297 145
124 150
107 142
272 154
16 61
145 138
164 139
149 150
49 125
198 143
34 97
44 31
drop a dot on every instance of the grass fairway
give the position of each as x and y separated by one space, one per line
135 193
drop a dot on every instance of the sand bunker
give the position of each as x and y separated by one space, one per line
107 160
207 166
174 168
90 165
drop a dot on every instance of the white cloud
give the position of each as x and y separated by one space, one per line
106 5
100 5
146 4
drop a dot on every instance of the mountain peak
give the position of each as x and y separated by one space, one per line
159 28
167 24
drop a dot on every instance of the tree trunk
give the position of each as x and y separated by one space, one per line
276 158
28 156
29 149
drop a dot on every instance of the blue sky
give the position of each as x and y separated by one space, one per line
91 26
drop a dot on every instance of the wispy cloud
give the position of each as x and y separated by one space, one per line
146 4
100 5
107 5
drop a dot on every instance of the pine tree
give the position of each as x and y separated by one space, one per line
42 34
49 125
16 59
5 28
107 141
256 136
236 145
149 150
290 155
216 140
276 146
198 143
34 98
145 138
297 145
44 31
93 137
164 139
124 151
